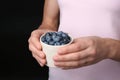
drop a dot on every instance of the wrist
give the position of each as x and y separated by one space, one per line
113 51
48 27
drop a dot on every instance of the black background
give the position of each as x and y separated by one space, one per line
18 18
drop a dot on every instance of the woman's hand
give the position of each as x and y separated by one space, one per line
82 52
35 46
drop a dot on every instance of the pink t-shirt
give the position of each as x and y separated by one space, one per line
90 18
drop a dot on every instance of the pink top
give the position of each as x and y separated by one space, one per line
90 18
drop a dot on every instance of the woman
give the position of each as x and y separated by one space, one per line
95 26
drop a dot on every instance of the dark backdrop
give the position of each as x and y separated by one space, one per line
17 19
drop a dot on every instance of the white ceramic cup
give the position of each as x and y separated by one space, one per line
51 50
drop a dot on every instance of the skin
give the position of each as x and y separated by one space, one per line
83 51
49 23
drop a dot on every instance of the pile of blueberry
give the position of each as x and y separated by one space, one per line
56 38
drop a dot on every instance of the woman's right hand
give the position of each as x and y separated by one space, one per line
35 46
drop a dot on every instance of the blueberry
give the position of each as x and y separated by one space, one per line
48 38
54 35
60 33
57 38
61 42
51 43
64 39
57 43
46 42
43 39
50 33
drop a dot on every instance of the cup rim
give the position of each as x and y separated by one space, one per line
55 45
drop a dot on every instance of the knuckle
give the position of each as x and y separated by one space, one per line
91 42
43 61
93 52
33 55
33 33
30 48
91 59
77 57
64 64
29 40
77 64
65 50
76 46
63 58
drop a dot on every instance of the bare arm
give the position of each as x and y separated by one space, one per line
50 16
114 49
49 23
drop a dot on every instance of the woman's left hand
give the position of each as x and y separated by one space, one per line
82 52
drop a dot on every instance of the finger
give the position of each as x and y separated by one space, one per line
35 39
72 56
84 62
35 42
41 61
74 47
73 64
37 33
36 52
